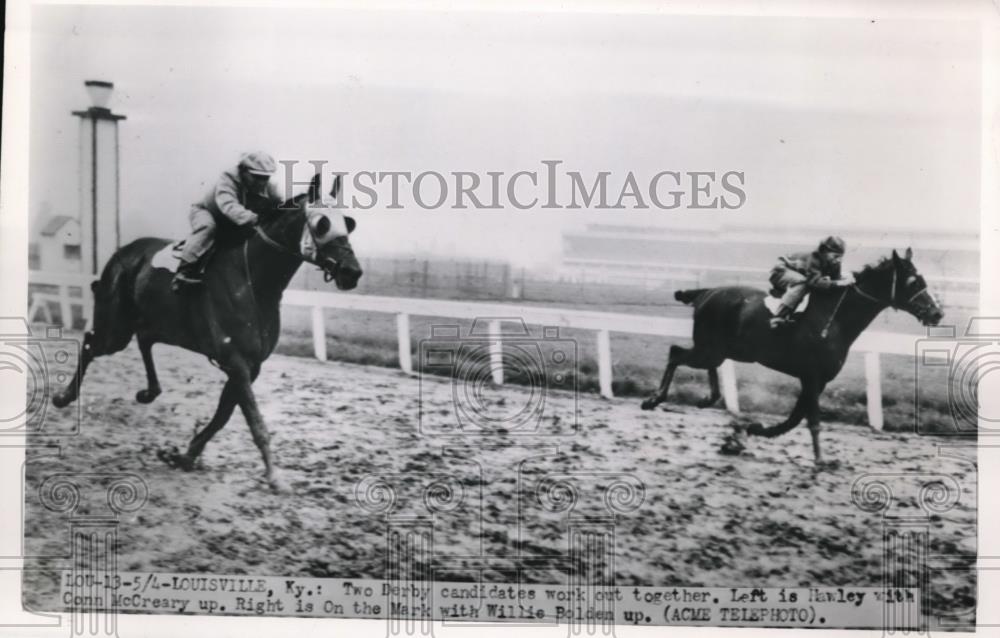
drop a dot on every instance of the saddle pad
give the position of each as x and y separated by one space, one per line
169 257
772 304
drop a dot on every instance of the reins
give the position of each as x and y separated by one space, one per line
284 249
892 294
829 322
857 289
270 242
826 328
246 268
273 244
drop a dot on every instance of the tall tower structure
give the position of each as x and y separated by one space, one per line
99 178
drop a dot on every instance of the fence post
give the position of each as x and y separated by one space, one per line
873 379
403 340
66 307
727 379
496 352
39 304
88 307
319 333
604 363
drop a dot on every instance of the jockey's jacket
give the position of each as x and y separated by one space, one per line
230 199
810 264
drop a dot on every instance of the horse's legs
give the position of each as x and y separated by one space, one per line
72 390
112 332
258 429
227 403
152 389
693 358
793 419
812 391
93 346
713 382
674 359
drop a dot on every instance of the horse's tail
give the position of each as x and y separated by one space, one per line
689 296
113 286
114 308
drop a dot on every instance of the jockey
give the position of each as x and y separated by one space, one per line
794 275
236 198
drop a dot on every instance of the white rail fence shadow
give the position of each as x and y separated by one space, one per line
872 344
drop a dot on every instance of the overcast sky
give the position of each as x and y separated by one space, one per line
850 122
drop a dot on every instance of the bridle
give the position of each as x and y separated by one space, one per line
281 248
891 301
328 275
892 293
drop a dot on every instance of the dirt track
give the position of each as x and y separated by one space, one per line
764 518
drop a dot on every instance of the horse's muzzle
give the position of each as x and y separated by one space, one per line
345 276
931 317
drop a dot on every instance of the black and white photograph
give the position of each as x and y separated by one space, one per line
583 317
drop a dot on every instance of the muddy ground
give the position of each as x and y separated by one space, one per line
683 512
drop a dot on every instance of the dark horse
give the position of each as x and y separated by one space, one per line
233 318
732 322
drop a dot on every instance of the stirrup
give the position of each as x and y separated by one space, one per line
781 322
182 281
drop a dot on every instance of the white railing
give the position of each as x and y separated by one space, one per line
957 292
872 343
64 281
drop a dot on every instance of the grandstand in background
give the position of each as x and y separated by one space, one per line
632 255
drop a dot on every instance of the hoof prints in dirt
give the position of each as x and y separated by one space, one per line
765 519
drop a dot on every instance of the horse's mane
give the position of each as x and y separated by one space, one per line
239 235
872 268
288 206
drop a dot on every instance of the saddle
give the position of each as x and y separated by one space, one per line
772 303
169 257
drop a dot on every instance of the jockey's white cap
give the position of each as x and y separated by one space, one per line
258 163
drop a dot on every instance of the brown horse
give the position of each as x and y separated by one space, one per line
732 322
233 318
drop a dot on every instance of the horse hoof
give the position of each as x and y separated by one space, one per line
648 404
732 446
755 429
60 400
278 485
146 395
175 459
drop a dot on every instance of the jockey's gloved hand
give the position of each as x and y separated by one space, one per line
823 283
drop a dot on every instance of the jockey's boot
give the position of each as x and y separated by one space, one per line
187 276
783 318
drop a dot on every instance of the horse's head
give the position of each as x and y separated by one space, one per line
321 231
905 286
325 236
